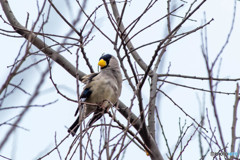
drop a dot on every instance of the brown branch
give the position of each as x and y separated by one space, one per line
212 131
144 131
152 104
187 143
130 46
211 88
183 110
195 88
89 18
38 42
64 19
167 38
36 105
55 85
180 138
133 24
147 138
130 132
234 123
36 92
177 37
5 157
123 109
163 132
202 118
56 144
228 36
13 72
198 77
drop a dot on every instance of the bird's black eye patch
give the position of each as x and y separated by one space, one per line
106 57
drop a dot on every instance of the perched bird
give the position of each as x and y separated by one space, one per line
101 91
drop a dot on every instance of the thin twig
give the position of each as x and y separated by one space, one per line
183 110
187 143
55 140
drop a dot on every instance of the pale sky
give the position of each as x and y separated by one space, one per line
185 57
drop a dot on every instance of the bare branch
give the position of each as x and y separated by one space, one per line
197 77
234 122
130 46
228 36
37 42
36 92
5 157
183 110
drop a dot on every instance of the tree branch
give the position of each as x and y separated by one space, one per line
130 46
234 123
31 37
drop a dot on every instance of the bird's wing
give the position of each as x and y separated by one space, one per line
86 93
88 78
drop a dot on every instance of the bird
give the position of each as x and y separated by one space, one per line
100 93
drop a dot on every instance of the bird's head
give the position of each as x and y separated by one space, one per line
106 61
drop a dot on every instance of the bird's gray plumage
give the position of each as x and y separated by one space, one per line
102 90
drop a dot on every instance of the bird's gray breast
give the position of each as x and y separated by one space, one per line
103 88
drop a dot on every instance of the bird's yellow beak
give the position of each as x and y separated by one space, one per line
102 63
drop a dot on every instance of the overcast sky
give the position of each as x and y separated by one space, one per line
185 58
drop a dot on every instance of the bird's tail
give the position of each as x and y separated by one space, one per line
74 127
95 117
84 112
